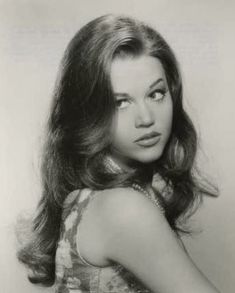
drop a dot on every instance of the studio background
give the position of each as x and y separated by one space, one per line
33 36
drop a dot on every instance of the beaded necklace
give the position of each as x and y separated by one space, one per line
152 196
115 168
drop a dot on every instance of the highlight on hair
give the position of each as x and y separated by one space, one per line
78 134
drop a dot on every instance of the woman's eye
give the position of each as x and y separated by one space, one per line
121 104
158 95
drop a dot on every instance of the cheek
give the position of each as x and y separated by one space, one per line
122 131
164 117
168 120
166 124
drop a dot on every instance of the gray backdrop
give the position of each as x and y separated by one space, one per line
33 35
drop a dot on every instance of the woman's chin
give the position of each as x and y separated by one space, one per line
148 157
133 159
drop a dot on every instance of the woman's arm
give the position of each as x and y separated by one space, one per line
133 232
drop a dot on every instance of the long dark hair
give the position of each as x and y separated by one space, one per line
78 137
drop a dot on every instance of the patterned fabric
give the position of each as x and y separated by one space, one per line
73 274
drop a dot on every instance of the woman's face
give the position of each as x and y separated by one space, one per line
142 124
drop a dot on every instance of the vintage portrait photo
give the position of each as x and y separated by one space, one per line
117 146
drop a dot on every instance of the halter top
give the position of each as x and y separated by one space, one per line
73 274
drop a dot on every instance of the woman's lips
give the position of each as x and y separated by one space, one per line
148 140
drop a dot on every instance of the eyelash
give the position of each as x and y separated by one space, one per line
162 92
118 103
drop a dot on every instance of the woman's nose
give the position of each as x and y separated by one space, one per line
144 116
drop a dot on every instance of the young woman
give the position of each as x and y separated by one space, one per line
118 169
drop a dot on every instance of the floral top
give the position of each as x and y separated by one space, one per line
73 273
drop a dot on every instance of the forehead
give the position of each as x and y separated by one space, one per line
128 74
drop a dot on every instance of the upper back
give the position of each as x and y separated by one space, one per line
72 270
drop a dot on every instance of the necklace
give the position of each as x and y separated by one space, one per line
115 168
137 187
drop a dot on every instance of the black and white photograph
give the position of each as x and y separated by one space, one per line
117 144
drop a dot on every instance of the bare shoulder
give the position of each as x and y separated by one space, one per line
120 224
125 206
127 215
114 201
115 214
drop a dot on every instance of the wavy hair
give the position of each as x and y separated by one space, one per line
78 137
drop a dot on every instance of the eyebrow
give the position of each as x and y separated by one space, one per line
125 95
155 83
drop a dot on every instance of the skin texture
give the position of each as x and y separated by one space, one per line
137 235
144 105
121 224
